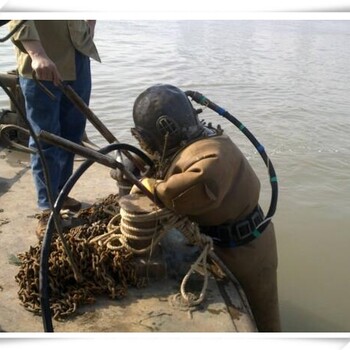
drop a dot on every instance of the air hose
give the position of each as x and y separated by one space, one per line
54 214
13 31
38 146
45 251
57 206
204 101
54 217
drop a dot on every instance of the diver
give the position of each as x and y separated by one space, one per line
200 173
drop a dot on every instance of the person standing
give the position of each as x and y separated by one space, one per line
57 51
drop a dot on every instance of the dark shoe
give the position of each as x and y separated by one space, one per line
43 220
71 204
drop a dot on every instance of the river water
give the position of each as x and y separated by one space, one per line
288 82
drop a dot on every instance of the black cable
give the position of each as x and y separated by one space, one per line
201 99
41 155
13 31
35 138
45 251
55 208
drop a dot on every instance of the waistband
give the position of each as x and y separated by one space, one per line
237 233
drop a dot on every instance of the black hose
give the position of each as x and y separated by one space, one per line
38 146
201 99
54 212
55 208
45 251
35 138
13 31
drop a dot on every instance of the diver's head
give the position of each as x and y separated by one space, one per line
164 119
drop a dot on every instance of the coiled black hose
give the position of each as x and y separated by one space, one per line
46 243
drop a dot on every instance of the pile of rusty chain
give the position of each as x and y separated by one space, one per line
104 271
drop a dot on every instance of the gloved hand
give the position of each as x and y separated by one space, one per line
148 182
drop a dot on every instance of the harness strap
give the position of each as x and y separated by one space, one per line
237 233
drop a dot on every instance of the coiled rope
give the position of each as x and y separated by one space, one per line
118 236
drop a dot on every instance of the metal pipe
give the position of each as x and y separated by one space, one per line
97 157
9 80
91 116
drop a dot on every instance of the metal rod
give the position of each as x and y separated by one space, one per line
9 80
90 115
97 157
95 121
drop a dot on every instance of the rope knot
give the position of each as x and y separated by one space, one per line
127 227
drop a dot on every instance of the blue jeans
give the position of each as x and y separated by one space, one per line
59 117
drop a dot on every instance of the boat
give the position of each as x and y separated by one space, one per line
181 291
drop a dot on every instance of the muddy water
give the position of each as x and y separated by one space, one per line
288 81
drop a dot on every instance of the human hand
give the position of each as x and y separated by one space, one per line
42 65
46 69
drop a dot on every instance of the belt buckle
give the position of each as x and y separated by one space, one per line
256 219
224 233
243 230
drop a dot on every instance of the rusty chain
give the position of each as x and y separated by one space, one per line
104 271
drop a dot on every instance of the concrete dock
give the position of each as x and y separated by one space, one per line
142 310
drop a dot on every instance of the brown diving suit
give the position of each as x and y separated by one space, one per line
212 183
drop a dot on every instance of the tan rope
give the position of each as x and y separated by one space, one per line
192 233
118 237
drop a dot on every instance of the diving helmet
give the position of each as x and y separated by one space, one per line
164 119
